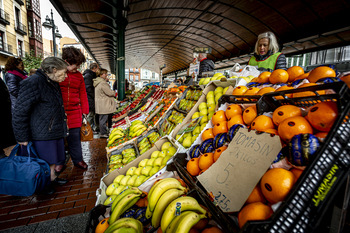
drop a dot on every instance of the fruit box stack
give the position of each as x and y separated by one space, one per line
108 179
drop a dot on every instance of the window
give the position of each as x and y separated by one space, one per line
38 30
36 6
153 75
2 40
20 47
29 4
18 17
138 78
30 27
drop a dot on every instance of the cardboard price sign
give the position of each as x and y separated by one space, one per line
232 178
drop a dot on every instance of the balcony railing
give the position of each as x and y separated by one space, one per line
6 48
4 17
21 28
20 2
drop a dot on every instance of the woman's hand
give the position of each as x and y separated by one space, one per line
23 143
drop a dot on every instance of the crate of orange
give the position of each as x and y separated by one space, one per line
306 195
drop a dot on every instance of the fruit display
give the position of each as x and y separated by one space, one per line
117 161
137 128
148 142
166 105
191 98
116 133
171 122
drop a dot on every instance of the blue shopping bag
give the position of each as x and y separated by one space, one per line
23 175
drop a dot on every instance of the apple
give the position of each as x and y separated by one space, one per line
158 161
118 179
138 171
204 121
218 90
202 106
154 170
146 170
210 94
195 115
150 162
166 145
171 151
155 154
139 180
131 171
143 163
204 112
187 142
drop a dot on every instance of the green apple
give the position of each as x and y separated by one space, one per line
197 130
210 95
158 161
118 179
179 140
202 106
111 188
202 127
163 153
150 162
132 180
171 151
218 90
138 171
195 115
165 160
125 180
155 154
146 170
154 170
187 142
224 91
139 180
211 101
234 76
204 112
131 171
166 145
143 163
204 121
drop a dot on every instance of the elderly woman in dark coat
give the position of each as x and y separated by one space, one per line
39 114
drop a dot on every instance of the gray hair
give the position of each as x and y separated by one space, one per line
93 66
49 63
273 45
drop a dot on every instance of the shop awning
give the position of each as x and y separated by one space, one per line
166 32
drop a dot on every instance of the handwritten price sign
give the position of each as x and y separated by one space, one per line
235 174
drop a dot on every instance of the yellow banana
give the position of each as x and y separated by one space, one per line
118 210
179 205
126 230
162 203
160 189
186 223
148 213
125 222
173 225
129 191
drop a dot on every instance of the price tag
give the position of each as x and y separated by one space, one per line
232 178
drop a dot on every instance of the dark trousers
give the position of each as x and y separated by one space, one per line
103 126
74 146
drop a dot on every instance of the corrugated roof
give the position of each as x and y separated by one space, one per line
166 32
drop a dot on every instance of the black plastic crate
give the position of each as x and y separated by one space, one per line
239 99
96 215
303 208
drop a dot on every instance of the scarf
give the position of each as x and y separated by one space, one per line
18 73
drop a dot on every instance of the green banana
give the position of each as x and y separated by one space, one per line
118 210
130 159
185 204
162 203
188 221
143 141
174 224
125 230
132 190
125 222
145 150
161 188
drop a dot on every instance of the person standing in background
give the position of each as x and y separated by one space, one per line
75 104
15 74
104 100
204 65
89 76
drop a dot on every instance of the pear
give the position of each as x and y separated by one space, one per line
210 95
210 115
155 154
197 130
217 96
211 108
211 101
158 161
204 112
132 180
131 171
146 170
195 115
154 171
179 140
166 145
150 162
138 171
118 179
202 105
171 151
194 137
163 153
165 160
143 163
225 89
187 142
202 127
139 180
218 90
187 134
124 181
111 188
204 121
120 189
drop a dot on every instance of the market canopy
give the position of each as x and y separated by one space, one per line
166 32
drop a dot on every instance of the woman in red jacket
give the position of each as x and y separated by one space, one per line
75 104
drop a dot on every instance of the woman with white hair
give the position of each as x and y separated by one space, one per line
39 115
266 56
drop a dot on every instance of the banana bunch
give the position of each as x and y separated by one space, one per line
115 134
125 225
123 202
148 142
184 222
176 117
136 128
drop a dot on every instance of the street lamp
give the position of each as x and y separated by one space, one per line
50 24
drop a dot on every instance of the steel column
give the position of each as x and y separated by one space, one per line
122 22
